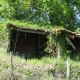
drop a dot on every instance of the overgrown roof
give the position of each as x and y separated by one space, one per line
38 30
24 25
28 29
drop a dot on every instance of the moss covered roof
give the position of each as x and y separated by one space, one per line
37 30
22 25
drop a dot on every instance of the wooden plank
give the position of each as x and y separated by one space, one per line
77 35
11 65
26 29
58 56
68 40
68 69
43 45
71 36
29 31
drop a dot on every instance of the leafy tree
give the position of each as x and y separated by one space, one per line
46 12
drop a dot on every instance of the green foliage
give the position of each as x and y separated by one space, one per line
12 9
3 32
45 68
75 70
76 57
56 41
68 52
51 43
61 67
27 72
44 12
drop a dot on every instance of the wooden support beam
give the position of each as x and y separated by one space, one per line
71 36
30 31
77 35
43 45
68 69
15 42
69 41
58 56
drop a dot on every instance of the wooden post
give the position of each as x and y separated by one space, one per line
68 40
58 52
14 48
11 65
68 69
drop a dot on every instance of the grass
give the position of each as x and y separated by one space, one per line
23 67
31 69
45 68
22 23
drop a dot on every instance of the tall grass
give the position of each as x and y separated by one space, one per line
45 68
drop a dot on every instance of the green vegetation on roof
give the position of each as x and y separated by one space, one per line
19 23
22 23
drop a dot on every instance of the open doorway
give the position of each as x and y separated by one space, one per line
28 45
76 43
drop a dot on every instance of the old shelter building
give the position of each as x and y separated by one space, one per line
31 42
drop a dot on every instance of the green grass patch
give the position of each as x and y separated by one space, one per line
45 68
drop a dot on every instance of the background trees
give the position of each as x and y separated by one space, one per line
44 12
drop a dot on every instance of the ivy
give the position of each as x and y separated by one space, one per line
9 38
56 40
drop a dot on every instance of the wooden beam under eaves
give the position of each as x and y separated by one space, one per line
30 31
69 41
77 35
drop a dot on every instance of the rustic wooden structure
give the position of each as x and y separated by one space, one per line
30 42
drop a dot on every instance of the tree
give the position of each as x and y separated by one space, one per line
45 12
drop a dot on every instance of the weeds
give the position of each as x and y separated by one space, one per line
45 68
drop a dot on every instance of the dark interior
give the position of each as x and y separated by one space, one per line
76 43
28 45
